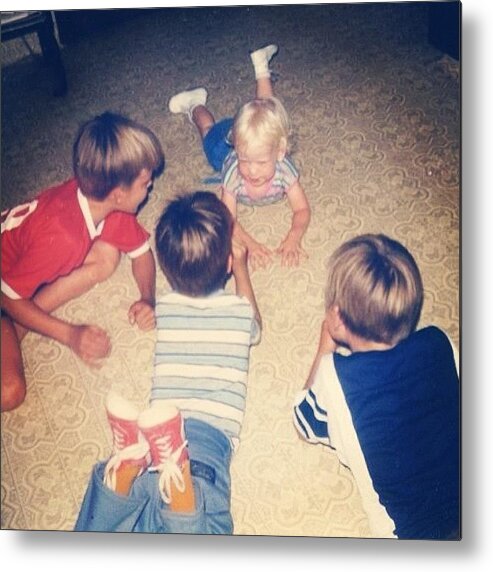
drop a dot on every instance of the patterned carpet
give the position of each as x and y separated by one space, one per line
376 118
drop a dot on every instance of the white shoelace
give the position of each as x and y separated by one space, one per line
132 452
110 471
119 437
169 470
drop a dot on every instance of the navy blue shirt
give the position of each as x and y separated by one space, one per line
404 404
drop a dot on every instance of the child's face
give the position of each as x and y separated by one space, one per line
258 165
133 196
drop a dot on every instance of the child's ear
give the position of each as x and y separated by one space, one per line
283 147
230 263
116 195
337 322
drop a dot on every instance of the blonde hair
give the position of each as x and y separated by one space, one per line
261 122
112 150
376 284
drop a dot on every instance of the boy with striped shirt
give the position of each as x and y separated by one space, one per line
198 394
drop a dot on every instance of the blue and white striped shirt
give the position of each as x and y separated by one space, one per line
202 357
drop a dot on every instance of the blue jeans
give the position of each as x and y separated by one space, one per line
216 144
144 511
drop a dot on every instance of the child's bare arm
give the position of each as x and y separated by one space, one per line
141 312
90 343
290 248
259 254
242 277
326 345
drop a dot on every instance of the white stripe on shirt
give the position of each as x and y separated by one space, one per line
201 358
213 336
199 371
9 292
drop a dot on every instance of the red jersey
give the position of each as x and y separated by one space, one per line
51 236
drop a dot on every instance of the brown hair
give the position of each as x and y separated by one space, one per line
376 284
111 150
193 243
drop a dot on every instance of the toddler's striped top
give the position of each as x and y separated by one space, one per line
202 356
284 178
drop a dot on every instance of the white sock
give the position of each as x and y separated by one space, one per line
261 58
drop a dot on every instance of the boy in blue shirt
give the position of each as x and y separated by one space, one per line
390 406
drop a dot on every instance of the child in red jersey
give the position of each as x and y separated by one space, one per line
70 237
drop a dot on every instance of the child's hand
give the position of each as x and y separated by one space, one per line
291 251
142 314
260 256
90 343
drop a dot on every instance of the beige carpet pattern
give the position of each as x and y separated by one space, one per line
376 118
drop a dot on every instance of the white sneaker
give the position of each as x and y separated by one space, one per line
186 101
